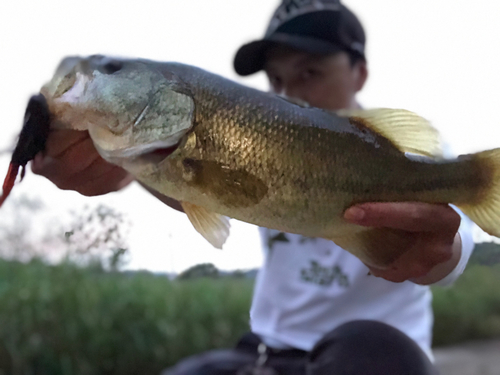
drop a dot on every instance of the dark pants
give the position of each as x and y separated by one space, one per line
360 347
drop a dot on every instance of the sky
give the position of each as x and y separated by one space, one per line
438 58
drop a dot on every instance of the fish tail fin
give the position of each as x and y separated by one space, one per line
485 209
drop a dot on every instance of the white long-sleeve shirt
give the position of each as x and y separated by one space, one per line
307 287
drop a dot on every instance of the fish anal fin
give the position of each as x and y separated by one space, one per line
377 247
212 226
406 130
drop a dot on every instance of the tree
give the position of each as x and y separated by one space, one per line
93 235
96 235
486 254
18 237
200 270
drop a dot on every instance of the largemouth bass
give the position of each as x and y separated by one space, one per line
226 150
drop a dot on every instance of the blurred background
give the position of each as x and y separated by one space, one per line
109 255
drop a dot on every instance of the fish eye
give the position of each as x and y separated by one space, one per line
110 66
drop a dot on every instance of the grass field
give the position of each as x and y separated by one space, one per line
73 321
66 320
470 309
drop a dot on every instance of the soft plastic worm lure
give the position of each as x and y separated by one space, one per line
31 141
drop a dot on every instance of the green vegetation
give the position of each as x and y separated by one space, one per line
84 317
470 309
206 270
486 254
69 320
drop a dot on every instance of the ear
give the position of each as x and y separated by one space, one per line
361 74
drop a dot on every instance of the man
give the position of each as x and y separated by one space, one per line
316 309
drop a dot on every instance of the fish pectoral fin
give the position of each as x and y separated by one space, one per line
406 130
236 187
214 227
377 247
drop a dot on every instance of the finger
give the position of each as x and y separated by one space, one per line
113 178
47 167
72 171
97 179
418 261
68 155
79 157
37 164
62 140
428 251
399 276
67 152
408 216
399 273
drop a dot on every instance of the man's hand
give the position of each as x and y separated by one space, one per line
436 245
71 162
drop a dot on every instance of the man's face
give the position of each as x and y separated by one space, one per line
328 82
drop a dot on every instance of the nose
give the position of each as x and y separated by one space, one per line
293 90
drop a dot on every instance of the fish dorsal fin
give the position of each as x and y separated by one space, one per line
214 227
406 130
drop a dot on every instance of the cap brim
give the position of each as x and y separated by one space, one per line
250 58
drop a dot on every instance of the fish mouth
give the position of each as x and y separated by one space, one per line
151 156
152 153
64 78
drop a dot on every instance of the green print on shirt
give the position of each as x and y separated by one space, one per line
304 239
324 276
271 240
280 237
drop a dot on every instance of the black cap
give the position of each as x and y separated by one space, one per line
315 26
